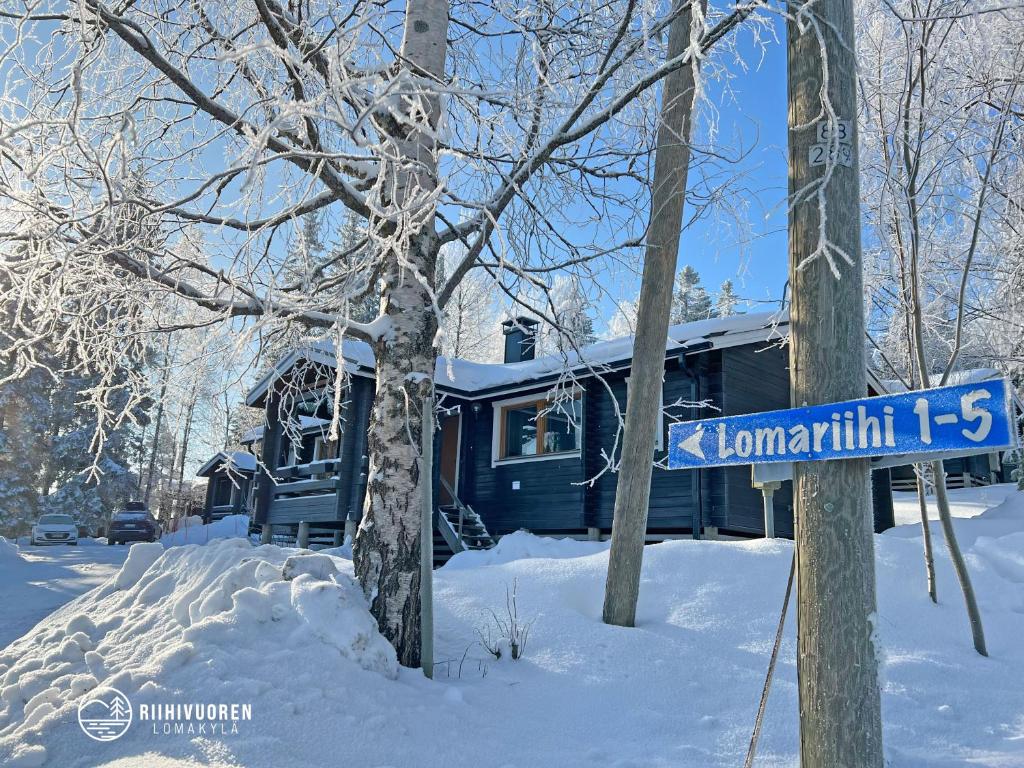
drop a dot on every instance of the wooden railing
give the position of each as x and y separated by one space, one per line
457 503
306 490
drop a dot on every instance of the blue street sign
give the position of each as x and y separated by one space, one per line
962 417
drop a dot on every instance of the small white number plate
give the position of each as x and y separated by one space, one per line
844 131
821 154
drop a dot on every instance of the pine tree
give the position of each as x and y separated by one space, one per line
727 300
690 301
701 306
356 259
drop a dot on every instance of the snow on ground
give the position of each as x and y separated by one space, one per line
8 550
963 502
37 580
233 623
192 530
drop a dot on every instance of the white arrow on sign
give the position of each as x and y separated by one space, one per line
692 443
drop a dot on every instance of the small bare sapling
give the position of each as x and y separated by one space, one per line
507 631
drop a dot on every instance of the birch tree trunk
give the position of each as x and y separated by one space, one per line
643 409
387 546
959 564
929 559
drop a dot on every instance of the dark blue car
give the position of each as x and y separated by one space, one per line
133 525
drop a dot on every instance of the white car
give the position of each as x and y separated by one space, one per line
54 529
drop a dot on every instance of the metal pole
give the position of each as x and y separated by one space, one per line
427 539
769 512
837 669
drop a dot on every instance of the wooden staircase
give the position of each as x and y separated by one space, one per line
457 528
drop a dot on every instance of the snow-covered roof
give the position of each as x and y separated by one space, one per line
469 379
238 461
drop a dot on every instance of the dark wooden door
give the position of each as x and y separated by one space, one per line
449 468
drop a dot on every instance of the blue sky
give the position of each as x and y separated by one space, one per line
754 114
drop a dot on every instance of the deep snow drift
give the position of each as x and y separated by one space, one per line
192 530
232 623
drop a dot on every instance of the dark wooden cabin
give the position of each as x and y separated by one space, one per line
526 443
229 480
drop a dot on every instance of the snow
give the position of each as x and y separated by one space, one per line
8 550
193 531
963 502
287 632
221 623
522 545
38 580
468 377
970 376
236 461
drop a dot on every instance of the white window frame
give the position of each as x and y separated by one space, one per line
498 407
659 440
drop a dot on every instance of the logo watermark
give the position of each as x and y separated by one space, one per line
195 719
105 714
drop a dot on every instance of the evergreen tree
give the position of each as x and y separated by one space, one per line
727 300
690 301
53 456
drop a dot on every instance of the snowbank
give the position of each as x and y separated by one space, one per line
8 550
192 530
222 623
523 545
963 502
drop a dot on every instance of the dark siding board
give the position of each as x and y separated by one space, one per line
976 465
311 509
755 378
554 494
674 493
347 442
269 451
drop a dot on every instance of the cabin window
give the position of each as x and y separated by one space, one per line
538 428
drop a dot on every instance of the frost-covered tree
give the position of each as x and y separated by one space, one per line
690 301
942 94
53 457
24 409
623 322
571 326
471 325
725 303
433 123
